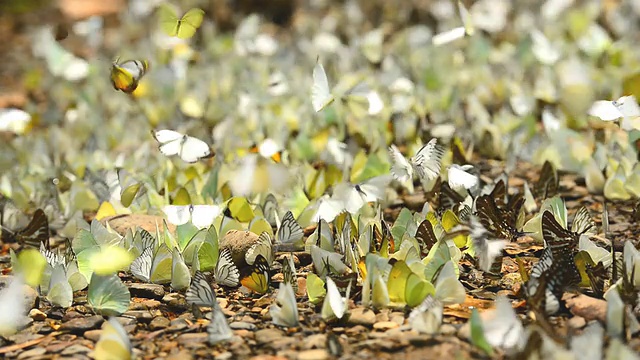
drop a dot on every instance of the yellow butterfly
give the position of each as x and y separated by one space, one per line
182 28
258 277
126 75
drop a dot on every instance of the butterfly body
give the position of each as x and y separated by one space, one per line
184 27
126 75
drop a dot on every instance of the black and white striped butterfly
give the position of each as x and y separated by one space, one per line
425 163
200 293
34 234
226 272
289 231
548 183
500 222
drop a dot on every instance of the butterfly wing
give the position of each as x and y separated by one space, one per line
320 91
289 231
427 160
583 223
263 247
460 179
168 19
122 79
218 329
36 232
177 214
200 292
400 167
193 149
258 278
141 266
226 273
189 23
605 110
170 141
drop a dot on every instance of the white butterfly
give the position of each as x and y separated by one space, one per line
460 179
289 230
114 342
180 273
226 273
284 311
458 32
485 247
321 95
426 162
327 208
188 148
262 247
201 216
334 304
426 318
325 262
200 292
354 197
504 329
218 329
153 266
625 107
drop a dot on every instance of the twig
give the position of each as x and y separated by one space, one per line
27 344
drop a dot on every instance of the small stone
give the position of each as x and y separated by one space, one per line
382 316
70 315
448 329
174 300
148 291
224 356
151 304
192 338
159 322
182 355
93 335
385 325
35 352
361 316
242 325
398 319
354 330
178 324
30 296
80 325
315 341
245 334
75 349
265 336
315 354
141 315
37 315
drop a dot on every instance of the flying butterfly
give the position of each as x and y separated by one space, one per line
321 95
34 234
425 163
188 148
126 75
226 273
184 27
257 279
487 249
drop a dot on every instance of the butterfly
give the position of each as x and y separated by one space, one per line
334 304
107 295
321 95
34 234
486 248
583 223
426 318
459 177
199 292
625 107
504 329
114 342
547 184
501 223
268 149
12 306
426 237
257 279
284 311
201 216
289 273
456 33
261 247
226 273
153 265
188 148
125 76
182 28
425 163
289 231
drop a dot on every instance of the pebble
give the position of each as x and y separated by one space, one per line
242 325
80 325
30 296
93 335
32 353
75 350
448 329
191 338
315 354
178 324
174 300
362 316
159 322
315 341
268 335
37 315
182 355
151 304
144 316
385 325
148 291
224 356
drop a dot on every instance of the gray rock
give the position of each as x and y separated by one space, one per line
32 353
315 341
178 324
148 291
75 350
315 354
174 300
191 338
93 335
242 325
141 315
80 325
159 322
265 336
